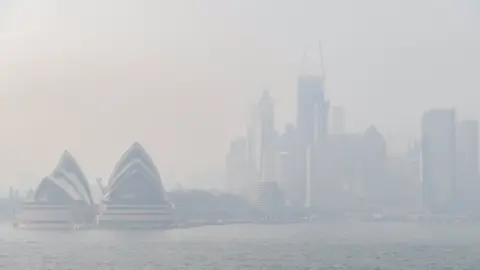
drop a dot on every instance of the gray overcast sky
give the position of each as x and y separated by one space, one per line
179 76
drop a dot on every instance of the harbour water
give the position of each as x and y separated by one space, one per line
247 246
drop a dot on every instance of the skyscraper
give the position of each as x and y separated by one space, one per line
466 164
270 200
265 155
338 120
268 136
286 170
375 159
262 139
312 123
311 110
438 159
312 130
238 168
340 174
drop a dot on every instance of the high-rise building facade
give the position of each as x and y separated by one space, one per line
337 120
254 145
375 166
403 189
312 110
262 140
286 168
339 185
268 138
466 165
270 200
312 130
438 160
238 168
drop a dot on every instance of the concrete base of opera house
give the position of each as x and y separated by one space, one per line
123 216
53 216
38 216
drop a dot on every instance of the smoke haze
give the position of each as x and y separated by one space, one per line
179 76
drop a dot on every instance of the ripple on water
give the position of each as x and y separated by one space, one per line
277 247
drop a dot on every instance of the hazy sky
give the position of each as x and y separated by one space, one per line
179 76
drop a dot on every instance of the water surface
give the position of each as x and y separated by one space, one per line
294 246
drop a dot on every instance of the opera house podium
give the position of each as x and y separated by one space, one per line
62 200
134 197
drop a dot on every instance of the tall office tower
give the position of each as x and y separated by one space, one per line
414 155
286 168
340 184
254 145
262 139
312 123
287 140
270 200
265 155
268 140
375 166
403 189
238 168
312 129
438 160
312 110
466 165
337 120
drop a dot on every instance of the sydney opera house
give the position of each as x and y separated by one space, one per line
62 200
134 196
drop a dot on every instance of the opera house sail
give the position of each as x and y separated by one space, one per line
134 195
62 200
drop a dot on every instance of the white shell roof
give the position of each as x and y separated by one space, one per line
69 176
133 160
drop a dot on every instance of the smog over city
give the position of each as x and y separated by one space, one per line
229 134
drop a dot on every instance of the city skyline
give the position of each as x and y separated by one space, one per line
157 77
331 172
239 134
